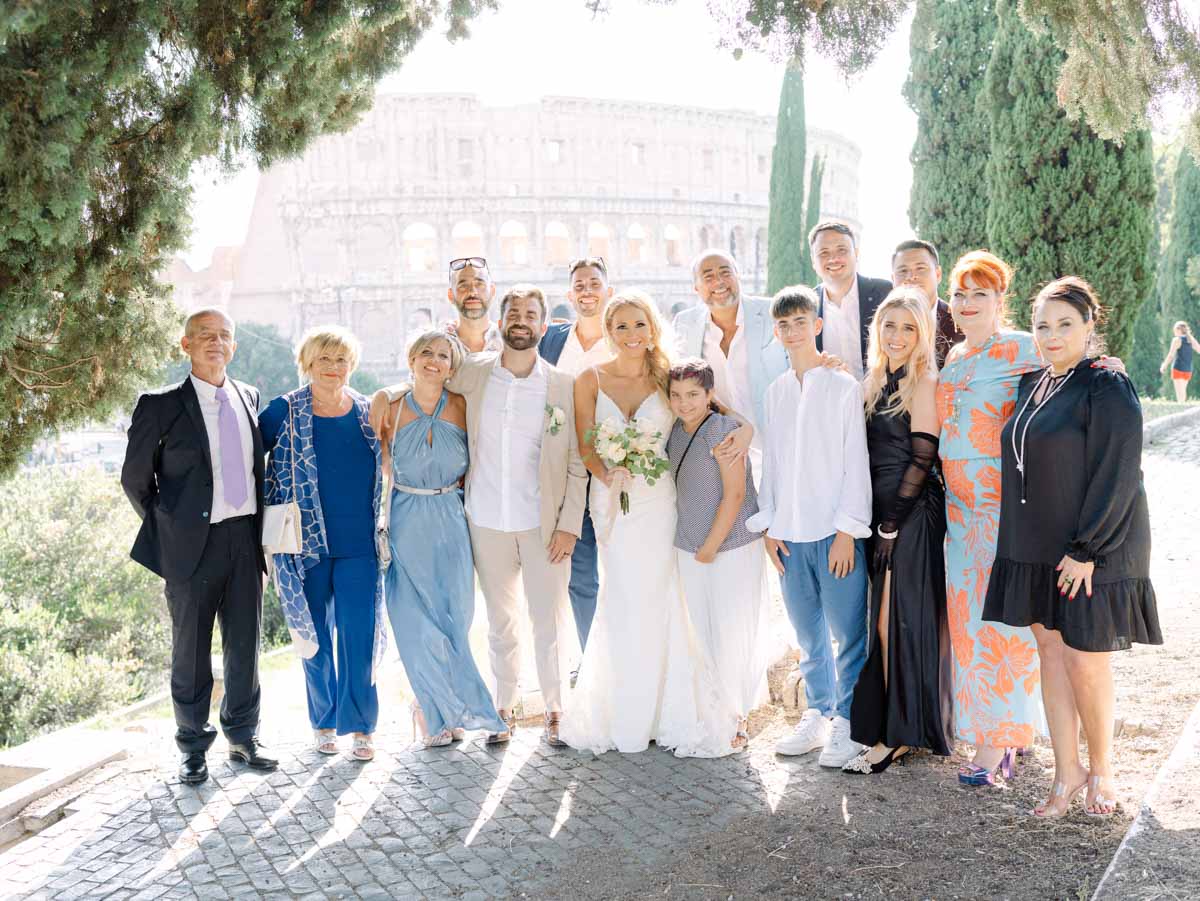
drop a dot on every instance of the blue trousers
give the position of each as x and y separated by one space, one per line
341 598
819 606
585 578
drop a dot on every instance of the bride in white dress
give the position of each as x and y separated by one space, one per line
641 678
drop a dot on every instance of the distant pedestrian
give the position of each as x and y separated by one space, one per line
194 473
1180 359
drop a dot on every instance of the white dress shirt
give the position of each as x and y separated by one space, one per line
574 359
209 408
841 329
732 378
508 451
816 478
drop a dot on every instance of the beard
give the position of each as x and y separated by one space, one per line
519 338
726 302
472 312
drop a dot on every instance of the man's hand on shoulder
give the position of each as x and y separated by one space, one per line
378 416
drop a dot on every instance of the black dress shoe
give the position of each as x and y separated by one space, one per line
193 769
251 754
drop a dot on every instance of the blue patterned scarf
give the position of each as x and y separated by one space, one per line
288 569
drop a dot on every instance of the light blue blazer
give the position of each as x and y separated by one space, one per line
766 355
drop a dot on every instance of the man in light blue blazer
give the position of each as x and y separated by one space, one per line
735 334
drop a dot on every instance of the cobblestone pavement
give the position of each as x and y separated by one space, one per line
470 821
521 821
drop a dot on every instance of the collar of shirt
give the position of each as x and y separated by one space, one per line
207 391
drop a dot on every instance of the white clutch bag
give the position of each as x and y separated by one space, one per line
282 532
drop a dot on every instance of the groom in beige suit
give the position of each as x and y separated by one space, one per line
524 498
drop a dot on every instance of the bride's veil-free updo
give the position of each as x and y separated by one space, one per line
658 359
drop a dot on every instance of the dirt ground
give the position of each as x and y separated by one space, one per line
914 832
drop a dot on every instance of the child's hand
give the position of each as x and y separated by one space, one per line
774 549
841 555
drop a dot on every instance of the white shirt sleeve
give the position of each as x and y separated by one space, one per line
853 512
761 521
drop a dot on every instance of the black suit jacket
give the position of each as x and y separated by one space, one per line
947 332
871 292
168 477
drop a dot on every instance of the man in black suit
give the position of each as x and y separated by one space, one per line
194 473
915 262
847 301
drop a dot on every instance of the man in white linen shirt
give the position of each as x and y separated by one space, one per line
846 301
733 333
815 506
524 498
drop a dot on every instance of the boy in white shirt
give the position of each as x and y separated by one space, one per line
815 506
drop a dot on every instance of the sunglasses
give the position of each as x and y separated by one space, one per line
593 262
464 262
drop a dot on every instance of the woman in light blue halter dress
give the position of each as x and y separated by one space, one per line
430 583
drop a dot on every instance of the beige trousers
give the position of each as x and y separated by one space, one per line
503 559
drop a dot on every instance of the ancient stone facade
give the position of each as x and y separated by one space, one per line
360 229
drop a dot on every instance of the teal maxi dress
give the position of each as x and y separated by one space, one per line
430 583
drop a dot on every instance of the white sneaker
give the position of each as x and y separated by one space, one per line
810 734
840 749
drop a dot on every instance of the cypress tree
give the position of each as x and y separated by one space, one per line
812 209
1063 201
107 106
1179 297
786 244
950 46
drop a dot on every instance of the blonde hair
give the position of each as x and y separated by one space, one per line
458 352
1181 325
657 359
326 339
921 361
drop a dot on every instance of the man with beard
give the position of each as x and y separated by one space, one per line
736 336
574 347
471 292
915 262
846 300
524 498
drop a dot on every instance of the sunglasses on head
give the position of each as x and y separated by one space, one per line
464 262
593 262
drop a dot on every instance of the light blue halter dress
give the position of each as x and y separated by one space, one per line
430 583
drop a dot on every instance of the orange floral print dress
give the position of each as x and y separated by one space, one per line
997 700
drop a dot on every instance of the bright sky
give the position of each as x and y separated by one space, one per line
637 51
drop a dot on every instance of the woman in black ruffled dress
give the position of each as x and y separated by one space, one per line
902 698
1073 554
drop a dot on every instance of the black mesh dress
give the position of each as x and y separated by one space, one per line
906 485
1080 494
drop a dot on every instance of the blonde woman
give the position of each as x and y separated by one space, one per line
1179 359
322 452
902 698
641 678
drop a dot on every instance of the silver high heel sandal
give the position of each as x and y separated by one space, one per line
421 730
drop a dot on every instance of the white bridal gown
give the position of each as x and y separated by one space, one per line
641 678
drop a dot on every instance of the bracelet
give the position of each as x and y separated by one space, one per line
886 535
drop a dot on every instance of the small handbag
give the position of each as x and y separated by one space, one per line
282 530
383 533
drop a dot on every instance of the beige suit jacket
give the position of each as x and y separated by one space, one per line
562 478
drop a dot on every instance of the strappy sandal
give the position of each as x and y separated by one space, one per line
363 748
325 741
1099 799
1058 791
421 730
458 733
973 774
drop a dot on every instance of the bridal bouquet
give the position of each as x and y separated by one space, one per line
633 445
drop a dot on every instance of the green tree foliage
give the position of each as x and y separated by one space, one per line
786 247
1179 299
950 46
1063 201
106 108
812 215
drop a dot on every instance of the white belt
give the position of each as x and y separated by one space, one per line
409 490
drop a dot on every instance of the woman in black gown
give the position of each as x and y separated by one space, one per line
902 698
1073 515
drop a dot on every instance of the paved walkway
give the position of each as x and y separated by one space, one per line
469 821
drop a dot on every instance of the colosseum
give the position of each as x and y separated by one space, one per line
359 229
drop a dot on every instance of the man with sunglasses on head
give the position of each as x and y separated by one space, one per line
574 347
471 292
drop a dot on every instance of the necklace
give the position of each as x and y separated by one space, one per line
1054 385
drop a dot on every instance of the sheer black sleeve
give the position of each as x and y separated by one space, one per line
1114 467
912 483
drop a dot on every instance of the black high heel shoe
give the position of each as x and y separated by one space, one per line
862 766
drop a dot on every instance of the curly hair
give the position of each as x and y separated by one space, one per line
658 361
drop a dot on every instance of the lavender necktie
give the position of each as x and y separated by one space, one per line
233 467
